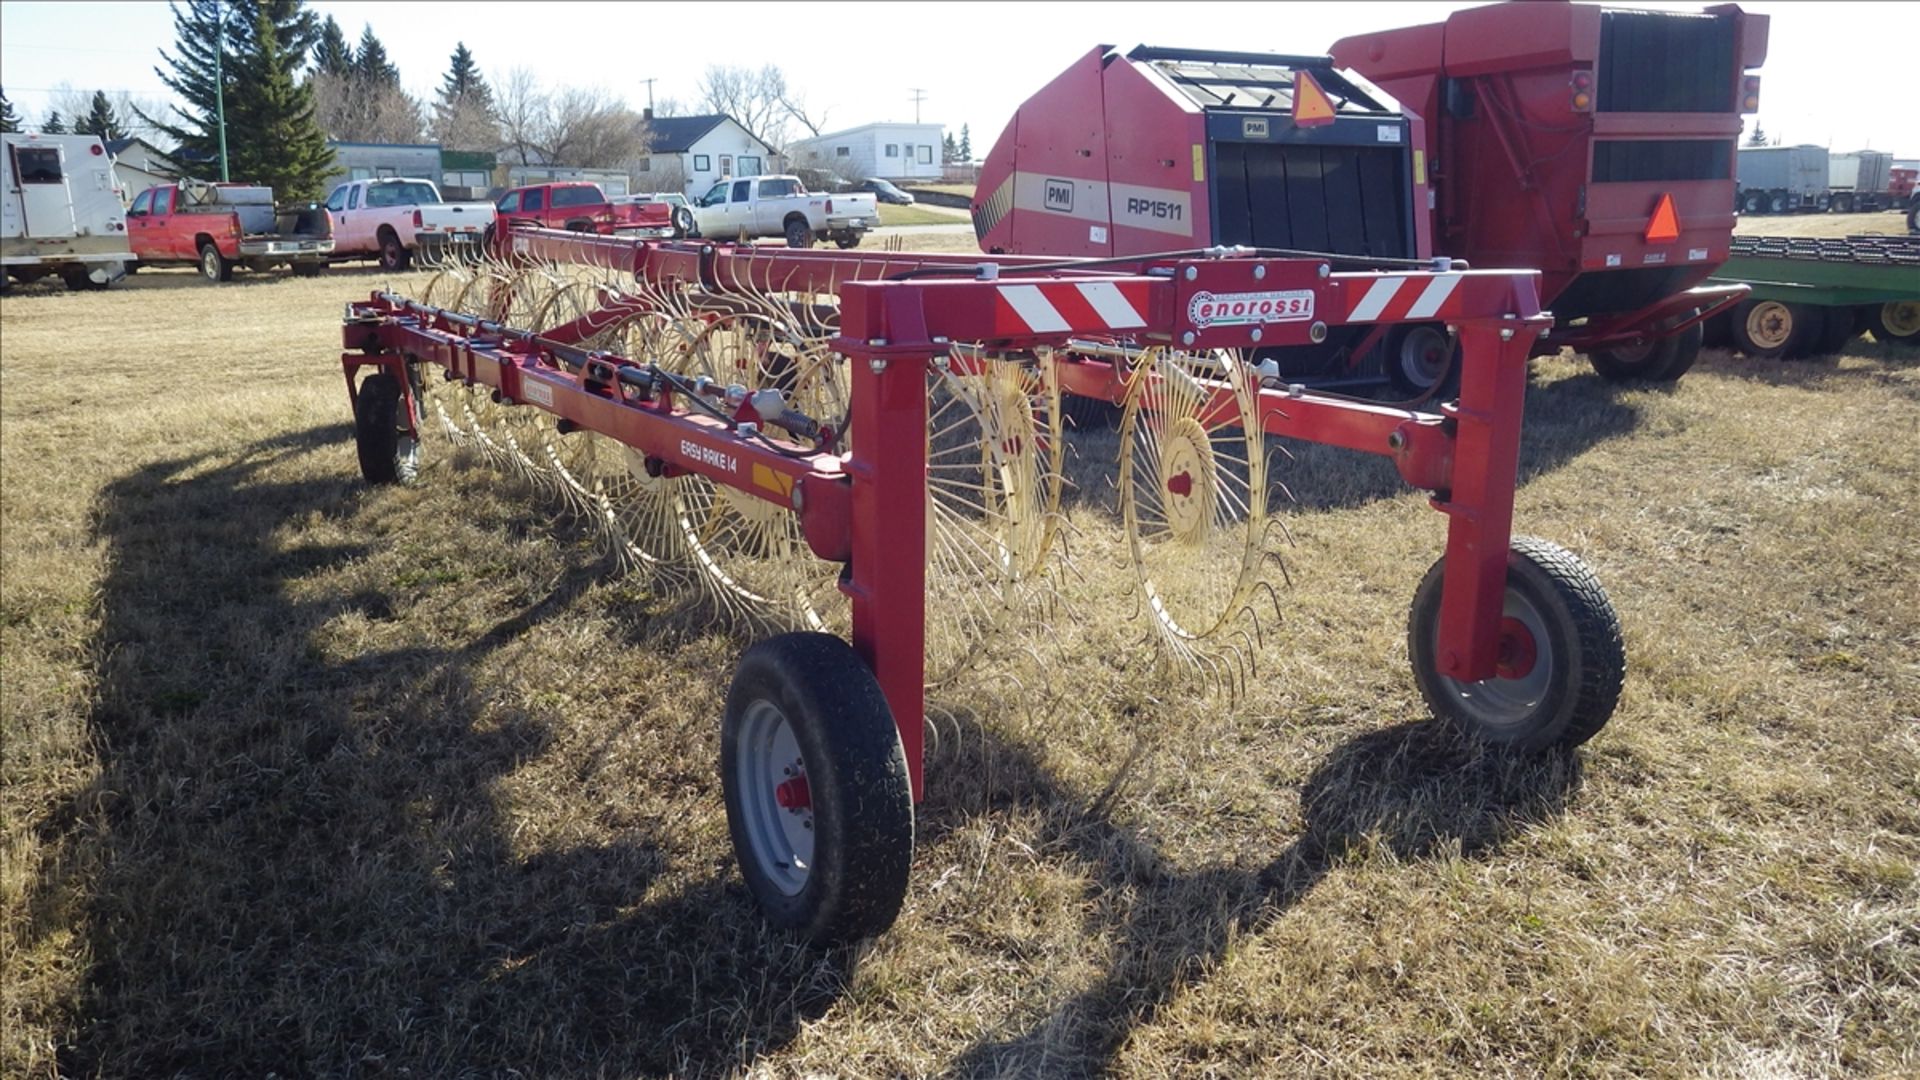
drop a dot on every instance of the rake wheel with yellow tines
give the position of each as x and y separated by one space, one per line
1193 502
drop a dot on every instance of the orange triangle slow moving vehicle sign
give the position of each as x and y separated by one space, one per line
1664 226
1310 105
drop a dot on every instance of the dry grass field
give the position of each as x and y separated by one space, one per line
306 779
1887 223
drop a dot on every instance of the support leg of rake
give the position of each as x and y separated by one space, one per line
888 586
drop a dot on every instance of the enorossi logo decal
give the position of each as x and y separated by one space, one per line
1249 308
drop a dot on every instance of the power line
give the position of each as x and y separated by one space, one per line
919 95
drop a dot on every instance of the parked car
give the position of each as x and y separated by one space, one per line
884 191
781 206
395 220
579 206
219 226
681 209
59 212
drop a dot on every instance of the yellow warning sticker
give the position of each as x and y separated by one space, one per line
1419 166
771 480
1199 163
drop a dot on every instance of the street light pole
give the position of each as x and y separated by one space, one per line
220 83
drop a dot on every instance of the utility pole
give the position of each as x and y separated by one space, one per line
220 83
649 83
919 95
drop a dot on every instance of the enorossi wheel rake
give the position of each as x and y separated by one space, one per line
860 455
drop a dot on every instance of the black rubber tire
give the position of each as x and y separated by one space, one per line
682 221
1783 328
387 455
394 256
856 773
1754 202
583 225
1717 331
1898 321
1089 414
1913 218
847 241
308 269
79 280
799 234
1837 327
1411 362
1777 203
1843 204
1661 361
1585 651
214 266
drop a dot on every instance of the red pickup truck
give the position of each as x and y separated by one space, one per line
582 207
219 226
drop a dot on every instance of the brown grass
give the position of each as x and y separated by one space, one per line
1888 223
306 779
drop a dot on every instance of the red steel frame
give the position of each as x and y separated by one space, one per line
869 506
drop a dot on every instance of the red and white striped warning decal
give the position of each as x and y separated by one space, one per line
1070 307
1404 298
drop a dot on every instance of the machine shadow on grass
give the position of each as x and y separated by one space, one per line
1416 789
298 862
1563 420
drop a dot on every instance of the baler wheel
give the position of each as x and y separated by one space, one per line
387 454
1420 357
1562 660
1654 361
1193 497
819 801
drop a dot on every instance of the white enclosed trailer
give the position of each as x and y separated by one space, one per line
59 211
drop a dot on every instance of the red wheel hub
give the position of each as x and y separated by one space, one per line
1518 653
1181 485
792 794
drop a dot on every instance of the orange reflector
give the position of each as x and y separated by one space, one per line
1664 227
1311 108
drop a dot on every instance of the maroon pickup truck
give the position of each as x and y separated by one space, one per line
582 207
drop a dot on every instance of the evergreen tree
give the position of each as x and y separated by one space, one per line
9 120
256 46
271 133
463 78
1759 136
54 125
101 120
371 63
949 150
966 144
204 42
465 115
333 55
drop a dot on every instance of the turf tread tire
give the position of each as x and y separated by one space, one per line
376 432
1569 595
857 772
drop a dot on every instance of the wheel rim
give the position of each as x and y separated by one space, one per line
1423 356
1505 702
210 263
1901 318
1769 324
776 806
1633 354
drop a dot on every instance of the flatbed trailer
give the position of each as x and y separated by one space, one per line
1810 296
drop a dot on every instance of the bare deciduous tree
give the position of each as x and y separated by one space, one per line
350 108
573 126
760 100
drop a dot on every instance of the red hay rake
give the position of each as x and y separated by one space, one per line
785 431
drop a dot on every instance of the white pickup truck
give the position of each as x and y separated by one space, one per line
396 219
780 206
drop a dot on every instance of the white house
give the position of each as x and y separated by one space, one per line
889 151
690 154
139 165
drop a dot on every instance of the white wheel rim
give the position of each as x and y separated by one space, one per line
1770 324
1423 356
779 838
1499 703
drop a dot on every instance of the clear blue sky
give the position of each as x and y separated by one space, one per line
1839 74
